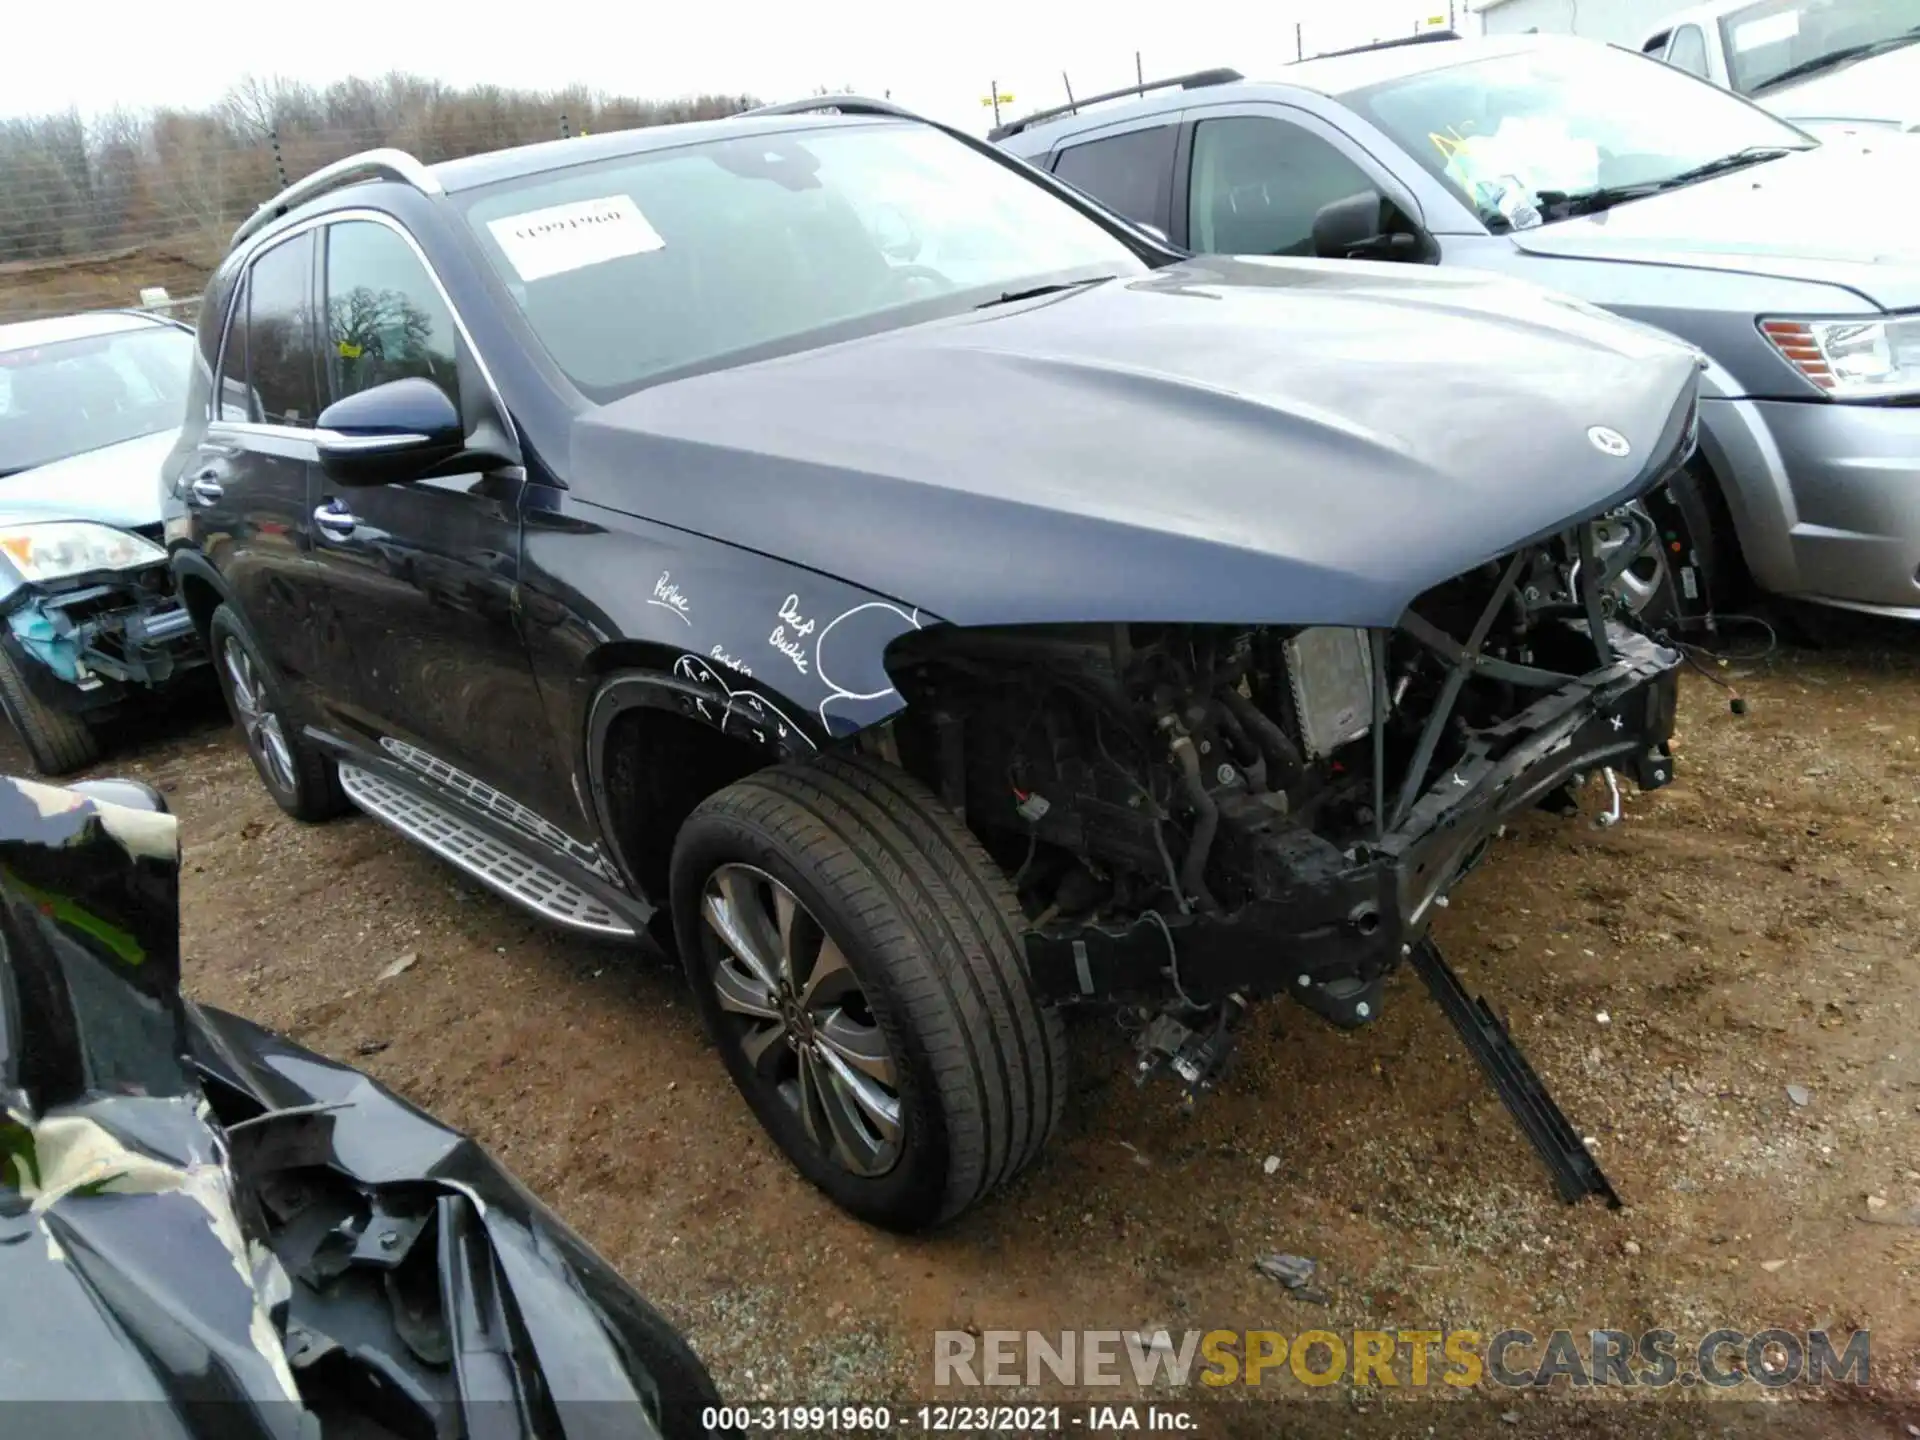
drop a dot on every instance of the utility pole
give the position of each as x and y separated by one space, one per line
1299 42
1139 75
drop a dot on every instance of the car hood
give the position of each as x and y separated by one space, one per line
1880 90
116 484
1222 440
1846 213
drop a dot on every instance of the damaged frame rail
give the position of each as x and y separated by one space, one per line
1354 913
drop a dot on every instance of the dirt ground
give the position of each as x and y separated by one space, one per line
1753 928
30 288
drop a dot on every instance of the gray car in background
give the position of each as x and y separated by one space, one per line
1792 265
90 625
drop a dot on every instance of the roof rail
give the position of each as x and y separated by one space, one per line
1194 81
368 165
1425 37
845 104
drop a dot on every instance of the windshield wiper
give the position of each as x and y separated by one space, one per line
1738 160
1033 292
1833 59
1560 204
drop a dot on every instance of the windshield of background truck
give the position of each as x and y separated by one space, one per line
1773 41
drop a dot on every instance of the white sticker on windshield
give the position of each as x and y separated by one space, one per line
560 238
1770 31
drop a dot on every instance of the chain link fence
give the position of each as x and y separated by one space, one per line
132 210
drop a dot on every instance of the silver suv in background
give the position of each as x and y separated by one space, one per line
1790 264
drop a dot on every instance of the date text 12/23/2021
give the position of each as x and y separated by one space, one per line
953 1419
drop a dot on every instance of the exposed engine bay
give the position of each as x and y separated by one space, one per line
1195 816
117 629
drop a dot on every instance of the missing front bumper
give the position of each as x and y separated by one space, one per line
1348 917
87 648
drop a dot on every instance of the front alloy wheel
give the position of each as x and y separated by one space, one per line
800 1018
857 957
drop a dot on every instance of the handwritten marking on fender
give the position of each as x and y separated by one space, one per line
719 653
667 596
836 691
796 648
754 709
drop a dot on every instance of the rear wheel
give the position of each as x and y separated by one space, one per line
302 781
57 743
856 955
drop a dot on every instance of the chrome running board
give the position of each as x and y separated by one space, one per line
494 864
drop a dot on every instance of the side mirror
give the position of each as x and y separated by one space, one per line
391 433
1366 226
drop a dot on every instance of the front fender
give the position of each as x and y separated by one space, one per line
604 592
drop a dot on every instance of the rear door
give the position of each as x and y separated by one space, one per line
248 479
1128 169
425 655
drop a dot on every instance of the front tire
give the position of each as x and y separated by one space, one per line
302 781
57 743
856 955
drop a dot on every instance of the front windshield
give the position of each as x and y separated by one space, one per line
1511 132
1773 42
70 396
633 268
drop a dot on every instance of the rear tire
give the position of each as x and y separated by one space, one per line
932 1011
302 781
57 743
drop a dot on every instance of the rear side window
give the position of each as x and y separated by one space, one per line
1689 51
1131 173
280 334
386 319
1258 183
235 402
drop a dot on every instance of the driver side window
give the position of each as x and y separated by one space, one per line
385 318
1688 51
1257 184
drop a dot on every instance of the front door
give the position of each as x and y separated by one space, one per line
248 481
426 658
1260 173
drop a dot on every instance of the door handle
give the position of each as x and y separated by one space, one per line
335 519
206 487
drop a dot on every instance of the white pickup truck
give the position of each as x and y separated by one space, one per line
1822 64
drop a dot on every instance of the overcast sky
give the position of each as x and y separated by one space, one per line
936 57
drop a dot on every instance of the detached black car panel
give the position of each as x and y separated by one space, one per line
922 599
206 1230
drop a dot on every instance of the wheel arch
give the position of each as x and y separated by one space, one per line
202 590
664 730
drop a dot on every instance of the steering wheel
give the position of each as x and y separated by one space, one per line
909 273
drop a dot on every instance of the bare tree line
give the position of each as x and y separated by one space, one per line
72 187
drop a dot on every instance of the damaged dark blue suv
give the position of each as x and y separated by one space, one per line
917 596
